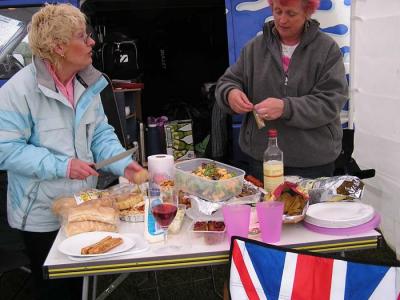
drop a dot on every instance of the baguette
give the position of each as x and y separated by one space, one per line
61 205
85 250
103 246
87 226
93 213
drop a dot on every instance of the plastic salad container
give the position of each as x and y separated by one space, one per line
205 188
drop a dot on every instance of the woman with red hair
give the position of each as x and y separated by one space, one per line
293 77
308 5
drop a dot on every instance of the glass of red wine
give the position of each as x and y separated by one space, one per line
165 211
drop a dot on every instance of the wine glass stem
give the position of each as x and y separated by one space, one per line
165 236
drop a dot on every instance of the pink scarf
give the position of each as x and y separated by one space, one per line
68 89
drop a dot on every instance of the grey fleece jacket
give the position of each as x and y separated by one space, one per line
314 90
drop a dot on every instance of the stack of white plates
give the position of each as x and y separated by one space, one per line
339 214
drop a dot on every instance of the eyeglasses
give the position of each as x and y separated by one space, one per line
87 36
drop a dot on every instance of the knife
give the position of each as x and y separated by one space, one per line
114 158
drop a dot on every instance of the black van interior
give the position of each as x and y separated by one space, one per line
176 48
180 46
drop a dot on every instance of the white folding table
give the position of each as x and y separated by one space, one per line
58 265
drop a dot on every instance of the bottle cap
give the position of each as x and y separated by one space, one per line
272 133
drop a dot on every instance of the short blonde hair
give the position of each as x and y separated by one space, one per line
51 25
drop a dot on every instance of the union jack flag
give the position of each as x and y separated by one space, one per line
260 271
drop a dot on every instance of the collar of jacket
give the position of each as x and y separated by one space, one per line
311 28
86 77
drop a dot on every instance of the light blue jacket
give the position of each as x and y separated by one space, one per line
40 132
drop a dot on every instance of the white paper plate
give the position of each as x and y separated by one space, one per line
339 214
72 246
141 245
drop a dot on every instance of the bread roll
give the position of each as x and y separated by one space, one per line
93 213
141 176
107 201
128 200
61 205
87 226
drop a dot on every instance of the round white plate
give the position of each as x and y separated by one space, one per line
339 214
195 214
72 246
141 245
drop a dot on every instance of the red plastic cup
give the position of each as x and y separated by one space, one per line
270 219
237 219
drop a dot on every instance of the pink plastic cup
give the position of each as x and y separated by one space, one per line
270 218
254 227
237 219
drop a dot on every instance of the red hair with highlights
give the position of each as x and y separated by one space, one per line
310 6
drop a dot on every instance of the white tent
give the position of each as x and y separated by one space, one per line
375 94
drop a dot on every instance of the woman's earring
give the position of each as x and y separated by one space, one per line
62 55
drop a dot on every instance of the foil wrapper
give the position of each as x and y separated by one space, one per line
204 206
336 188
250 194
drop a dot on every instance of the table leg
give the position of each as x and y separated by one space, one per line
112 286
214 285
85 287
157 288
94 289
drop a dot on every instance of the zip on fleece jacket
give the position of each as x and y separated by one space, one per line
40 133
81 108
313 90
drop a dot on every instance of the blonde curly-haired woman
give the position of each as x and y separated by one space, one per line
52 129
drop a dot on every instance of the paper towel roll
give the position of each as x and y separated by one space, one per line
161 168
